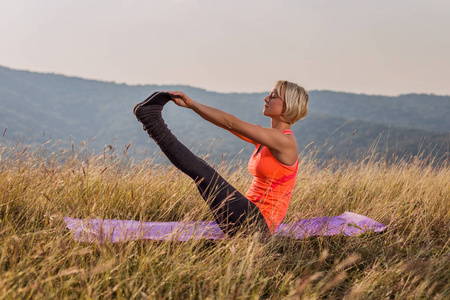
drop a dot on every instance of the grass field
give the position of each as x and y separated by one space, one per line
39 258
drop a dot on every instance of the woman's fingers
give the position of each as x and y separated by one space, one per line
180 98
175 94
179 102
178 94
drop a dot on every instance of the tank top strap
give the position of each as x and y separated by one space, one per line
288 131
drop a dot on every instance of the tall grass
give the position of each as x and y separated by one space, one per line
40 259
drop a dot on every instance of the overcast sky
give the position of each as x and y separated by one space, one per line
384 47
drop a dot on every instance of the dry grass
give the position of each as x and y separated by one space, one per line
40 259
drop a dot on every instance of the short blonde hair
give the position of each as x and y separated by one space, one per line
296 100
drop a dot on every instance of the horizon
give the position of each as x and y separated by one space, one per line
212 91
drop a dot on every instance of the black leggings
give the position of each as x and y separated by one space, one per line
232 211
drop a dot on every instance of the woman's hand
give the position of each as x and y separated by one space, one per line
181 99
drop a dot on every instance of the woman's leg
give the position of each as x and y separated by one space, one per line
231 209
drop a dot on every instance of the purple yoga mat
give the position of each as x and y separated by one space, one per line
112 231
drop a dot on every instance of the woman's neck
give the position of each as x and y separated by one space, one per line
280 125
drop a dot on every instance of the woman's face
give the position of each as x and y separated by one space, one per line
273 104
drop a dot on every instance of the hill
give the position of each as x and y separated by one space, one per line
36 107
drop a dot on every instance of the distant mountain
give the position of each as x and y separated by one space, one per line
418 111
38 107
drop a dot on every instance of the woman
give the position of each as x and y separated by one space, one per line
273 164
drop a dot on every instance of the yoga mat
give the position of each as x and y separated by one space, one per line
113 231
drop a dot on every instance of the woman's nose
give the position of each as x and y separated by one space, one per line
266 99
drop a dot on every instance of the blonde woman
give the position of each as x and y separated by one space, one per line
273 163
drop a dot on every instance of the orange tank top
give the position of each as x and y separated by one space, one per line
272 185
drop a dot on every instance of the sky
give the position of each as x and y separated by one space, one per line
383 47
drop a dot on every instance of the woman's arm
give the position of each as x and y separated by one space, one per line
183 99
205 116
274 139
